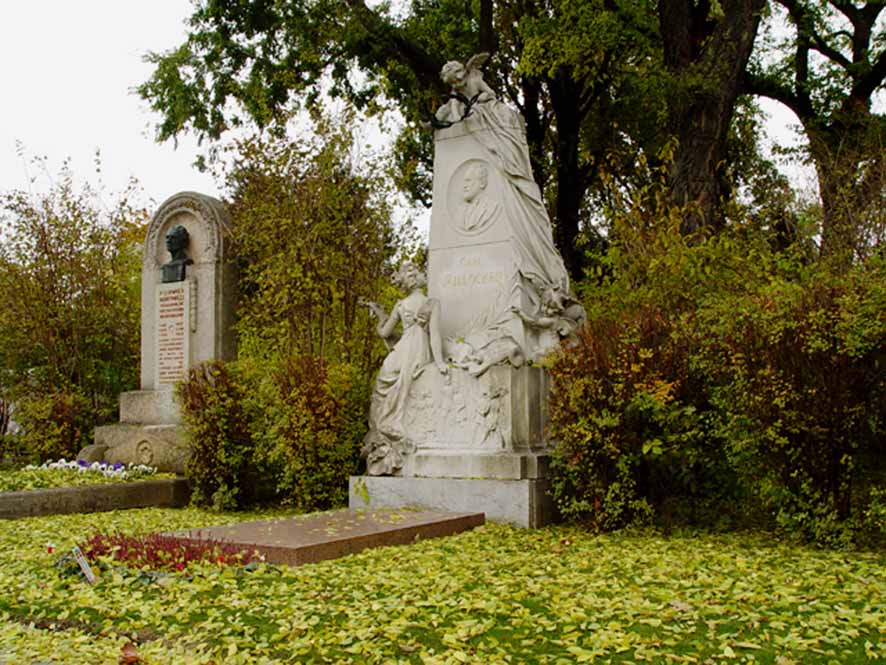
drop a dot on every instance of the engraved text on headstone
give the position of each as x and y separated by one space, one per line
173 317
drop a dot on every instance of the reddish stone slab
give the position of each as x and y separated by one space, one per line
297 540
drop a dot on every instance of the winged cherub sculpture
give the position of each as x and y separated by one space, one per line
468 89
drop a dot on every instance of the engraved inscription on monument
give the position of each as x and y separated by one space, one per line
173 315
472 271
469 280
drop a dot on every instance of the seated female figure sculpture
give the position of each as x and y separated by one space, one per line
419 344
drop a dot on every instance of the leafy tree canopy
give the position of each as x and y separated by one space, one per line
582 75
314 236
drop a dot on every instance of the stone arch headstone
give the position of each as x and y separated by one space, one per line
204 300
187 318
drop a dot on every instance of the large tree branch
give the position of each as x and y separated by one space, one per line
866 84
871 11
771 88
847 8
384 38
832 54
862 20
805 32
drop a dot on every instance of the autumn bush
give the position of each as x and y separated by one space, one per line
308 423
632 421
221 469
286 432
723 381
799 382
70 261
56 425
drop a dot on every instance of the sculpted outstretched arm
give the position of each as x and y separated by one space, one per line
386 327
386 324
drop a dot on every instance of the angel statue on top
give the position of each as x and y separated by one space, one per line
468 89
419 345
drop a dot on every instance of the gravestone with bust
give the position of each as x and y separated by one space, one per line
473 437
188 295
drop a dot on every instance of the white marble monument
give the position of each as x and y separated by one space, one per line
459 409
189 292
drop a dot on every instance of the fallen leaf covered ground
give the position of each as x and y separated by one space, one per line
496 594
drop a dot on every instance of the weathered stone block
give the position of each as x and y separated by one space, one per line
171 493
149 407
525 503
160 446
490 465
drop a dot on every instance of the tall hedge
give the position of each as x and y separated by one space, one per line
725 382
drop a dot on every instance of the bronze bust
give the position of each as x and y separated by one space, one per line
177 239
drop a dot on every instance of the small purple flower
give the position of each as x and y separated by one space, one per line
117 466
82 462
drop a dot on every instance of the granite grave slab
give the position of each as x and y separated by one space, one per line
294 541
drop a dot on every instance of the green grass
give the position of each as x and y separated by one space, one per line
493 595
41 479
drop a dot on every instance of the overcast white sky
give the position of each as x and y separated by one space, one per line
67 69
67 74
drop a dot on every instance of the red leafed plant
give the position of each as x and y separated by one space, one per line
163 552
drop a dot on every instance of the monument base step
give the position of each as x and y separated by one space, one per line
160 446
149 407
294 541
471 464
526 503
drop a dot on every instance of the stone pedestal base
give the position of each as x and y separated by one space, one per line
149 407
473 464
525 503
160 446
149 433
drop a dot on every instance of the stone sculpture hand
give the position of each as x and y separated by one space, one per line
375 310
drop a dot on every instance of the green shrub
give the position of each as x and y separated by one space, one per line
308 429
70 261
630 419
726 381
285 431
54 425
800 374
221 470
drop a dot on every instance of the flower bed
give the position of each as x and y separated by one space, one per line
163 552
74 473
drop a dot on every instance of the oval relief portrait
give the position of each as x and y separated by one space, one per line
472 199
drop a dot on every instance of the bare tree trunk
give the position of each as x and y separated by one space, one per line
4 417
488 36
708 54
570 188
